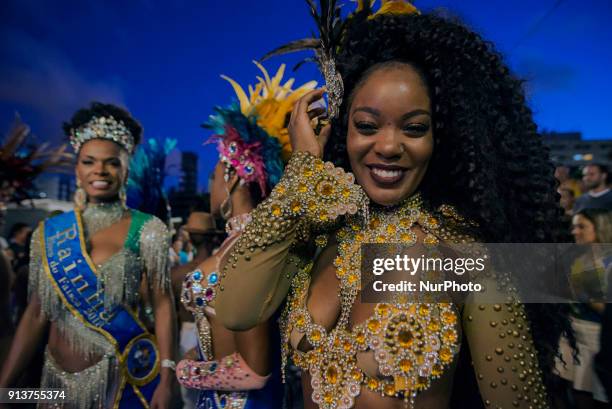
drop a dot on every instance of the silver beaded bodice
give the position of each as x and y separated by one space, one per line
120 277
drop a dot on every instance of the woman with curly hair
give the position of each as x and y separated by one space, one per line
90 270
443 149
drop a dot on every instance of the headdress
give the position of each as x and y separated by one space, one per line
105 127
21 161
252 137
331 29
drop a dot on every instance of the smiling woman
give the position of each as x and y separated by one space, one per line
441 149
101 170
390 138
87 274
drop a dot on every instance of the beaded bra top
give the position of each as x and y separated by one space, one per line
412 342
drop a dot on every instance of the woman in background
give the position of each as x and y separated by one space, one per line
587 280
240 369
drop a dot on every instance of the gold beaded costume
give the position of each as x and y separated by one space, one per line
412 348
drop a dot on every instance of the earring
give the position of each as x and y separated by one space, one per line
80 197
226 206
123 197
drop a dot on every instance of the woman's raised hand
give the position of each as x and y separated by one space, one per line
303 137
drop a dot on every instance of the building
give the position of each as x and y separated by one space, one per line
569 149
183 199
57 186
189 171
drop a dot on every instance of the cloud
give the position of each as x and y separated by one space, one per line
546 76
35 75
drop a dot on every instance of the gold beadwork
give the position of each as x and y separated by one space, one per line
404 337
412 343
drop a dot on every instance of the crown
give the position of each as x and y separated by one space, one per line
105 127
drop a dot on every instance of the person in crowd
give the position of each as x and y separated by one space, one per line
181 251
19 289
174 250
598 195
567 201
18 239
86 271
19 166
443 149
188 252
566 181
240 368
203 233
4 247
603 359
6 325
587 282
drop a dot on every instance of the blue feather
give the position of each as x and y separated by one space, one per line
145 190
250 132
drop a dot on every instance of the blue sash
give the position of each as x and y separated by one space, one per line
75 280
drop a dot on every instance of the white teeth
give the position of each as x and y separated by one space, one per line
384 173
100 184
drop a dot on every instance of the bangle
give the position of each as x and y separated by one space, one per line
168 363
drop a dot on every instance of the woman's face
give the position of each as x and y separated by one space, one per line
583 230
101 169
390 138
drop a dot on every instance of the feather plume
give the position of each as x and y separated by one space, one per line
21 162
148 171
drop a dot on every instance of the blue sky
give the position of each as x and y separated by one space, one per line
162 60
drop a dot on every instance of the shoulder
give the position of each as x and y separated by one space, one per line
152 227
147 231
450 225
583 198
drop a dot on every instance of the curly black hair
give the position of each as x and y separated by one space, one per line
488 160
99 109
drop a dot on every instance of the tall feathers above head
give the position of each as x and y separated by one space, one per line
270 101
330 26
22 160
145 186
252 137
327 45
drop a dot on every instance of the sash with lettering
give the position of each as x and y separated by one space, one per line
75 279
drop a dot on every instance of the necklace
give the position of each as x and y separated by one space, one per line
102 215
237 223
412 342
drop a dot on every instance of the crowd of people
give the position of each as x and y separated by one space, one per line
586 200
426 139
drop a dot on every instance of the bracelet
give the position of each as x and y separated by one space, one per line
168 363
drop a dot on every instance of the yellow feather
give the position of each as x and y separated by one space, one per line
263 70
271 102
278 77
242 97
